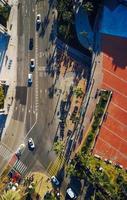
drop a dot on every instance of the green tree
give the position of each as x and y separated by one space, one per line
5 11
78 92
61 7
1 97
58 147
11 195
71 170
62 30
67 16
88 6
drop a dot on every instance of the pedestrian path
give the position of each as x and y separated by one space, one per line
74 53
20 167
55 166
4 151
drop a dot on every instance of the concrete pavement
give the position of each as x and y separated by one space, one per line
9 71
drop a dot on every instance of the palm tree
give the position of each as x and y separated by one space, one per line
11 195
78 92
62 30
88 6
67 16
58 147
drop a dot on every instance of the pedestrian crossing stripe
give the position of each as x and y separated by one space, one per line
20 167
4 152
55 166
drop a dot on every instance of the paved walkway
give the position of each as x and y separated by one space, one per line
75 54
9 68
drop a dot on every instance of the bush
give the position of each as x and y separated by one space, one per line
4 14
1 97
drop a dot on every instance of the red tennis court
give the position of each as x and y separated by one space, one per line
112 140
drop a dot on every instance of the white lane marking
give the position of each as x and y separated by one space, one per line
31 127
36 70
42 68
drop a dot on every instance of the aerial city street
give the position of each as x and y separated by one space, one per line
63 99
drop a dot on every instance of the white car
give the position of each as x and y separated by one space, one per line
38 19
20 150
29 79
31 144
71 194
32 63
55 181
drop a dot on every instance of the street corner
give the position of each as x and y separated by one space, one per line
43 186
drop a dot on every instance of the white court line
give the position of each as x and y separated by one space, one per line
117 120
113 133
119 107
115 75
114 89
123 155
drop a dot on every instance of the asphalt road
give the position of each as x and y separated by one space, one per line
33 111
40 109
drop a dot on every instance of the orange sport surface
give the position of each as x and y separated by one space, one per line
112 140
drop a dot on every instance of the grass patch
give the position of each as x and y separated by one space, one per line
1 97
4 14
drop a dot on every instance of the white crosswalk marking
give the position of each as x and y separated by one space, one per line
4 152
20 167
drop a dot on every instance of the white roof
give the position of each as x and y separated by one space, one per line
70 193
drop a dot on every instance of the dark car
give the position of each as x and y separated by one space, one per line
31 41
55 181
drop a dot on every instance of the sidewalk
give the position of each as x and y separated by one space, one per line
9 68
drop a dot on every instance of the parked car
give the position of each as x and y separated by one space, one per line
9 64
38 19
70 194
55 181
31 144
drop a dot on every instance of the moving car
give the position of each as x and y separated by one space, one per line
38 19
32 63
20 150
31 43
55 181
29 79
70 194
31 144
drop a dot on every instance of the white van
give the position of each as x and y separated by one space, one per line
29 79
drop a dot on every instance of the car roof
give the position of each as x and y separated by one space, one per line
29 76
70 193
